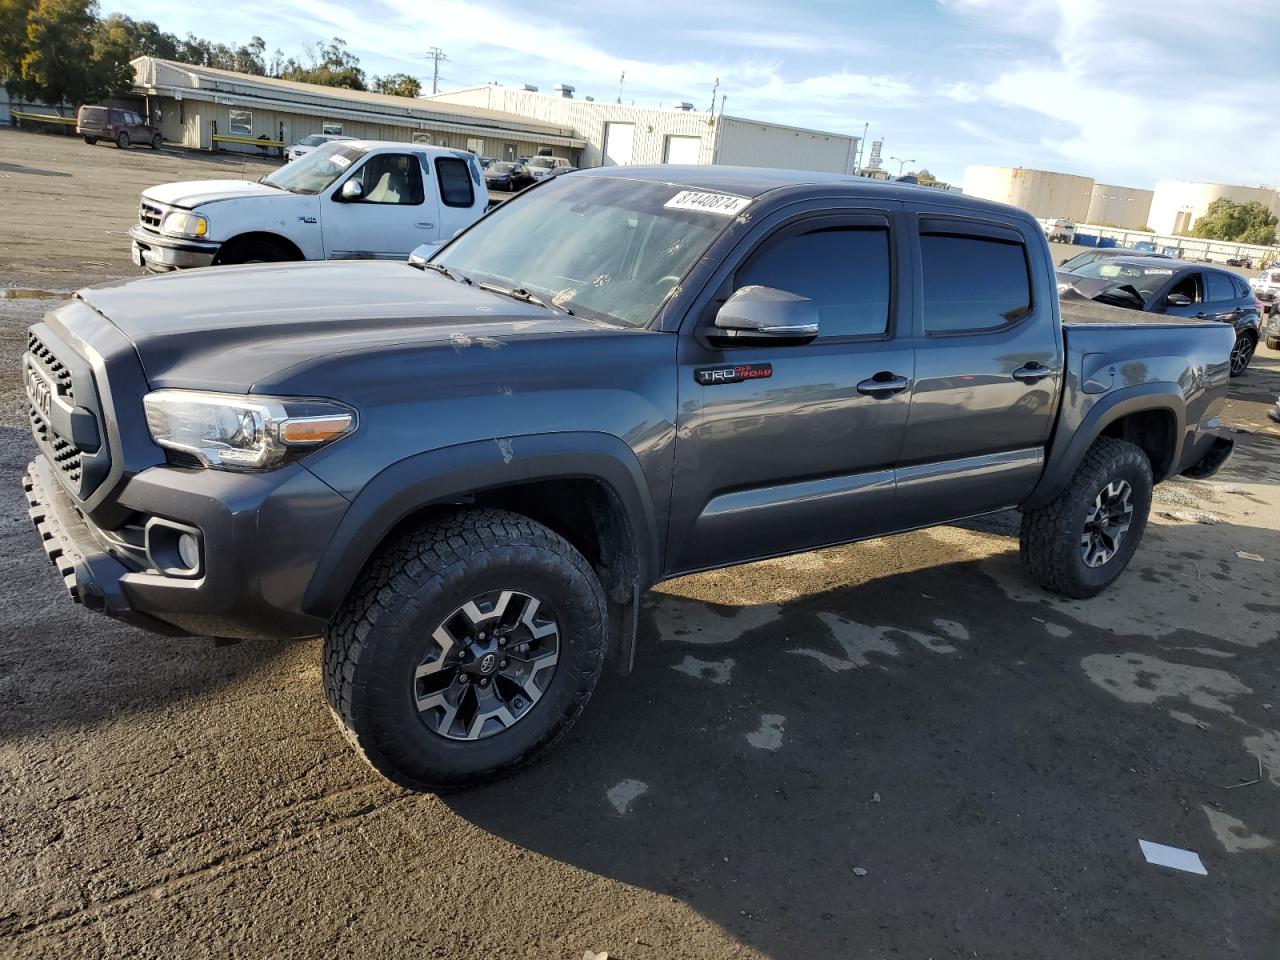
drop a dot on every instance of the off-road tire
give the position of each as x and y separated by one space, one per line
1273 344
1050 536
376 640
252 251
122 139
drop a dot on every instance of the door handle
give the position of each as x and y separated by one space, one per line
1032 372
424 224
883 384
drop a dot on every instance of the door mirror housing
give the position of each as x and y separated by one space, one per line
756 314
1177 300
351 190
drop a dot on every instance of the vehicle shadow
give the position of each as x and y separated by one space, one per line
30 171
919 763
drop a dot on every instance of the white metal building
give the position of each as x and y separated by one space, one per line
621 134
1042 193
1178 204
192 105
1126 208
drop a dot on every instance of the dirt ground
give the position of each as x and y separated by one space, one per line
899 748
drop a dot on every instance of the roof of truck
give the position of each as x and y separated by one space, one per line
756 181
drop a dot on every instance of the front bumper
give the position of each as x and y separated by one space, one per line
160 254
261 537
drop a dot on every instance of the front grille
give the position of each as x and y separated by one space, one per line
149 215
56 369
61 452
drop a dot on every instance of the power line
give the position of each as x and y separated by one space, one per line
435 55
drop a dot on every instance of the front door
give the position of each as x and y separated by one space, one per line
395 213
799 449
989 367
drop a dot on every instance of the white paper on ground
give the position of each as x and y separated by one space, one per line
1163 856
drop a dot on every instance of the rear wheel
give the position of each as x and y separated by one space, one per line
122 139
157 142
1242 353
91 140
1078 544
469 647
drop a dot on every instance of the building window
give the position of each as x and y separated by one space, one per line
455 182
421 136
332 128
242 123
475 146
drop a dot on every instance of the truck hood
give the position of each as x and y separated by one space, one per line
192 193
226 328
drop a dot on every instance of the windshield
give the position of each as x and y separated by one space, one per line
1146 280
313 141
607 248
500 167
541 162
316 170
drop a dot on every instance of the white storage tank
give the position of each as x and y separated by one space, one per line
1127 208
1178 204
1042 193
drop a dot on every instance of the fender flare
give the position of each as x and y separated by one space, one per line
446 474
1064 459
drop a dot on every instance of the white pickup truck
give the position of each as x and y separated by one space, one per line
353 199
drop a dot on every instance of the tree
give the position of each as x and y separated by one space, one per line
329 64
57 51
398 85
1238 222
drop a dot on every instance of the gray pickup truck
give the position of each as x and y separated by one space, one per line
464 472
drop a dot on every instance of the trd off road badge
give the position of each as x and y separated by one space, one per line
711 376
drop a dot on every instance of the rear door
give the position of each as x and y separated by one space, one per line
801 451
397 212
989 367
1221 299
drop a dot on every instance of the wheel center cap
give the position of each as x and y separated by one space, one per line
487 664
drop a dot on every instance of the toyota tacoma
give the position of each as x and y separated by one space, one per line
463 473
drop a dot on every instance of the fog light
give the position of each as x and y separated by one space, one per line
189 551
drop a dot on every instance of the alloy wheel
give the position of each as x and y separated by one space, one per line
489 662
1106 523
1241 354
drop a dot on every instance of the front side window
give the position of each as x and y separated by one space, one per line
394 178
607 248
973 283
241 123
844 270
456 189
315 171
1189 287
1219 287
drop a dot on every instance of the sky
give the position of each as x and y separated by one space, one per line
1125 91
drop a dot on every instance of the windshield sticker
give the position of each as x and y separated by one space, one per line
340 160
721 203
1160 273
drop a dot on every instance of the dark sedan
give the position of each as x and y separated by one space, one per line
1106 253
505 175
1175 288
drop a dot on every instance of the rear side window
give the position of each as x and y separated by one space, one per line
1218 286
455 182
844 270
973 283
1242 288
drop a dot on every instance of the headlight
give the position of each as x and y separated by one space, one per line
241 432
185 225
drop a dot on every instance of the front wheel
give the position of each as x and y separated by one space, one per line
251 251
1242 354
469 647
1078 544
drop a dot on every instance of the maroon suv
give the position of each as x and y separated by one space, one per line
124 127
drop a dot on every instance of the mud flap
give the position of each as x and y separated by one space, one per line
624 625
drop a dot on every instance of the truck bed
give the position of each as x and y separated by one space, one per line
1077 313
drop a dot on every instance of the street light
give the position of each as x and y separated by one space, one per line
901 163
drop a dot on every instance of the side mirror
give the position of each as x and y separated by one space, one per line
1177 300
351 190
756 314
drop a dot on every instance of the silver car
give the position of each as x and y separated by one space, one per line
307 144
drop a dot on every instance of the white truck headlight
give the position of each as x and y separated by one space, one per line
231 431
185 225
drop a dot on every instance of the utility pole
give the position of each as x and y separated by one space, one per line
714 88
862 148
620 80
435 55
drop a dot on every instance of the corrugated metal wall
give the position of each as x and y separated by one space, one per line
750 144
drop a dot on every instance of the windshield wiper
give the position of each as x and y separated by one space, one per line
524 296
441 269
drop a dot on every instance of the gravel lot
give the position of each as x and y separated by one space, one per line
894 749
